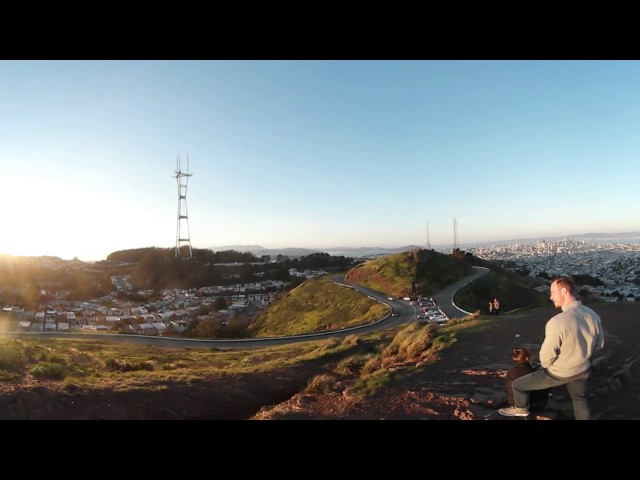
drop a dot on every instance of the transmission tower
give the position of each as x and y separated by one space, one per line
455 234
183 242
555 254
428 241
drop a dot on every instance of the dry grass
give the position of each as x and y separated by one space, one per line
122 366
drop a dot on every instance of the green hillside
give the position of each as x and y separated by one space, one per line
514 291
416 272
314 306
318 304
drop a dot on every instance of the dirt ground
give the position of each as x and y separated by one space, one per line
466 383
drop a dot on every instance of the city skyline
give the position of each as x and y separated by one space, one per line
314 154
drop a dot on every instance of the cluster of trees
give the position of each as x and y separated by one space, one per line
237 327
157 268
27 282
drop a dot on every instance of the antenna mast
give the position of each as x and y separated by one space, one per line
428 241
455 234
183 239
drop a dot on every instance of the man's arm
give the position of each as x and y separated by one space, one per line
550 346
599 343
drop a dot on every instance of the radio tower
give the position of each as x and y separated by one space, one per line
183 242
428 241
455 234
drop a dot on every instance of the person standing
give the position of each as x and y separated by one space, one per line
496 306
490 307
571 338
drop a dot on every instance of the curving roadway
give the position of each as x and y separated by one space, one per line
406 313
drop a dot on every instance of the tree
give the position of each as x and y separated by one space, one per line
206 328
220 304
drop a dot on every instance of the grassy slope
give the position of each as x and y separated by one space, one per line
103 364
315 305
423 272
318 305
513 292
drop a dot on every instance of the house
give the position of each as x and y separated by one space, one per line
179 326
160 327
148 329
23 326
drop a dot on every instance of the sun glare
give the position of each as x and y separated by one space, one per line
43 217
32 212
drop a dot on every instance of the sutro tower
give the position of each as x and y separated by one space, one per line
455 234
428 240
183 242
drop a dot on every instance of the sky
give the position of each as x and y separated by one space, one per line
314 154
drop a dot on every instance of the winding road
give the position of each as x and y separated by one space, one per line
406 314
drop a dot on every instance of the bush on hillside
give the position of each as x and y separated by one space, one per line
353 364
322 383
410 342
128 365
47 370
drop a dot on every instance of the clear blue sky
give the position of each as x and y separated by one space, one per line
314 154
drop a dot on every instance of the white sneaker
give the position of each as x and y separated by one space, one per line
514 412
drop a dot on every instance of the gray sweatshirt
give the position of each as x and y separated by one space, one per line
570 338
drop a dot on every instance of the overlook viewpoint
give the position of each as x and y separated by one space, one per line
408 371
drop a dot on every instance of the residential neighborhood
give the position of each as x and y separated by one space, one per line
174 310
617 266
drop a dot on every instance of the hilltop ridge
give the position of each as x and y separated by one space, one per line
298 251
466 381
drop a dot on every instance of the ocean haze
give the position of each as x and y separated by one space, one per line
625 237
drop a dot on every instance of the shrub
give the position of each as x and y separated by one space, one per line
173 366
444 341
56 358
9 376
128 365
322 383
352 364
47 370
370 384
351 340
410 342
371 365
11 360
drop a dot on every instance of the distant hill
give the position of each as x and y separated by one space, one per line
410 273
258 250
